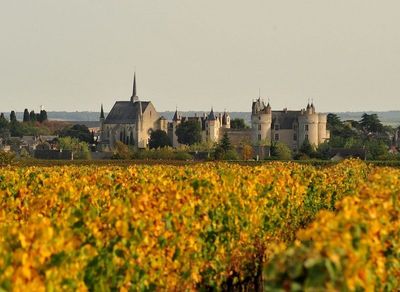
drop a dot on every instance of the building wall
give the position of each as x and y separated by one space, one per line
148 122
238 136
286 136
119 132
172 133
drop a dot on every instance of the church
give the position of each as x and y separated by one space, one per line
130 122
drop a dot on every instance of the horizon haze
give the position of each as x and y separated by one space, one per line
77 54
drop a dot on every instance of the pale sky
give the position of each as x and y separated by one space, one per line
74 55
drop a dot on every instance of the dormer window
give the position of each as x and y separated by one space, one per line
276 127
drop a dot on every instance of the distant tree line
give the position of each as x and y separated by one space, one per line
32 116
12 127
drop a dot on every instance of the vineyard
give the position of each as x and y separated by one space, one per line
277 226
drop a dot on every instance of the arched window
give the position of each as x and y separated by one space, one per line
131 140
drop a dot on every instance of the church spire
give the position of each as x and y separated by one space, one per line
101 113
176 115
134 96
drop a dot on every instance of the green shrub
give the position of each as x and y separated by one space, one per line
6 157
183 156
231 155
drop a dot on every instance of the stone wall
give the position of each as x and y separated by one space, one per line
237 136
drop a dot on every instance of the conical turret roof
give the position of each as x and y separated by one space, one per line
212 116
176 116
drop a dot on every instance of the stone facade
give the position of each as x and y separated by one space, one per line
289 127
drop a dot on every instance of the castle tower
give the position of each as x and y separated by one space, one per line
212 127
261 120
309 126
226 120
323 134
308 109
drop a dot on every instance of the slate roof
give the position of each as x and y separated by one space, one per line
225 118
285 119
125 112
211 116
176 116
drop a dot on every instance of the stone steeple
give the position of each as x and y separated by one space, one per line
101 113
134 96
176 116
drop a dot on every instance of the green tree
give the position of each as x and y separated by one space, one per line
79 149
26 116
281 151
4 126
342 133
376 149
238 124
81 132
3 122
307 149
13 117
231 155
16 129
189 132
371 123
6 157
159 139
334 124
32 116
324 151
225 143
42 116
224 149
